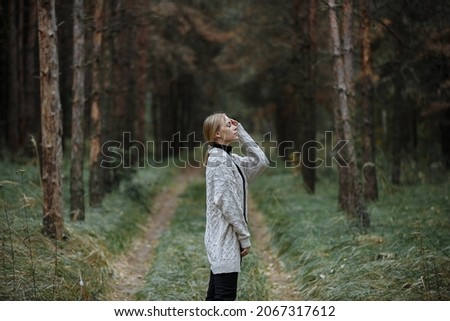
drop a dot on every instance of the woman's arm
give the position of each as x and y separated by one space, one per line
255 160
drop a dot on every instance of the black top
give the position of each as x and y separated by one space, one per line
226 148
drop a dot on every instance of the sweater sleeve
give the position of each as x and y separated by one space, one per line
255 160
227 201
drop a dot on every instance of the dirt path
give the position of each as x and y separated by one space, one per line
130 268
283 288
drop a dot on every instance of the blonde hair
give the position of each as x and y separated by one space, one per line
211 126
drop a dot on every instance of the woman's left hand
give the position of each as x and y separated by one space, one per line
234 122
245 252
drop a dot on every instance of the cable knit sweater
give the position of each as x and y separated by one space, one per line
227 176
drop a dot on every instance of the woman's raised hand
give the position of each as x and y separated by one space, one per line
234 122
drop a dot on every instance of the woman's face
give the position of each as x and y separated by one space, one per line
227 132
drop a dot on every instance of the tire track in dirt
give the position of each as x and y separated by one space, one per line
282 283
130 268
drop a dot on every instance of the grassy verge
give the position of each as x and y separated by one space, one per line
34 267
180 270
404 256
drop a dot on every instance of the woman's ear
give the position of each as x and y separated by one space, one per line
218 134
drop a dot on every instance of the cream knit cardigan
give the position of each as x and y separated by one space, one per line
226 202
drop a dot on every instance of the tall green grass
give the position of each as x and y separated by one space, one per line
34 267
180 270
405 255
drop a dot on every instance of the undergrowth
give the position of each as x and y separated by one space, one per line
35 267
405 255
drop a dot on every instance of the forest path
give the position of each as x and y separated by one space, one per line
282 284
129 269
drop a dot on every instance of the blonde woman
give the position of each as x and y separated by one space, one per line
227 237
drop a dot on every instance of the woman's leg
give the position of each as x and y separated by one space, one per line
210 293
222 287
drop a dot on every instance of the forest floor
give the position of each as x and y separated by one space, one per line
130 269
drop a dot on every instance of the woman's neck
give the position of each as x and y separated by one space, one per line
226 148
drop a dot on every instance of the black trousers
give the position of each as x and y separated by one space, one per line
222 287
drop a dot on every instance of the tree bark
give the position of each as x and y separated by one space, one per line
13 106
120 43
345 183
96 188
142 79
77 211
397 134
31 79
21 74
51 121
309 134
367 78
347 28
356 206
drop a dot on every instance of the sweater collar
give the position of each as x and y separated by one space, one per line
226 148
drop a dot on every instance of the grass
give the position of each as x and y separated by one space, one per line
404 256
180 270
34 267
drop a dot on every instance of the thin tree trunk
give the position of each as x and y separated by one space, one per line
396 136
346 185
21 74
96 189
356 205
304 47
444 135
31 79
369 169
156 101
51 121
119 71
108 65
347 54
13 106
131 93
347 28
338 69
142 79
76 169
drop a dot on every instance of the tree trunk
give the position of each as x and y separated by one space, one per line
347 28
51 121
142 80
309 121
346 184
444 135
77 157
356 206
31 79
396 136
120 39
96 189
21 74
369 169
108 83
156 101
13 106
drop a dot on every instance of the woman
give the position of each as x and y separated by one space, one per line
227 238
